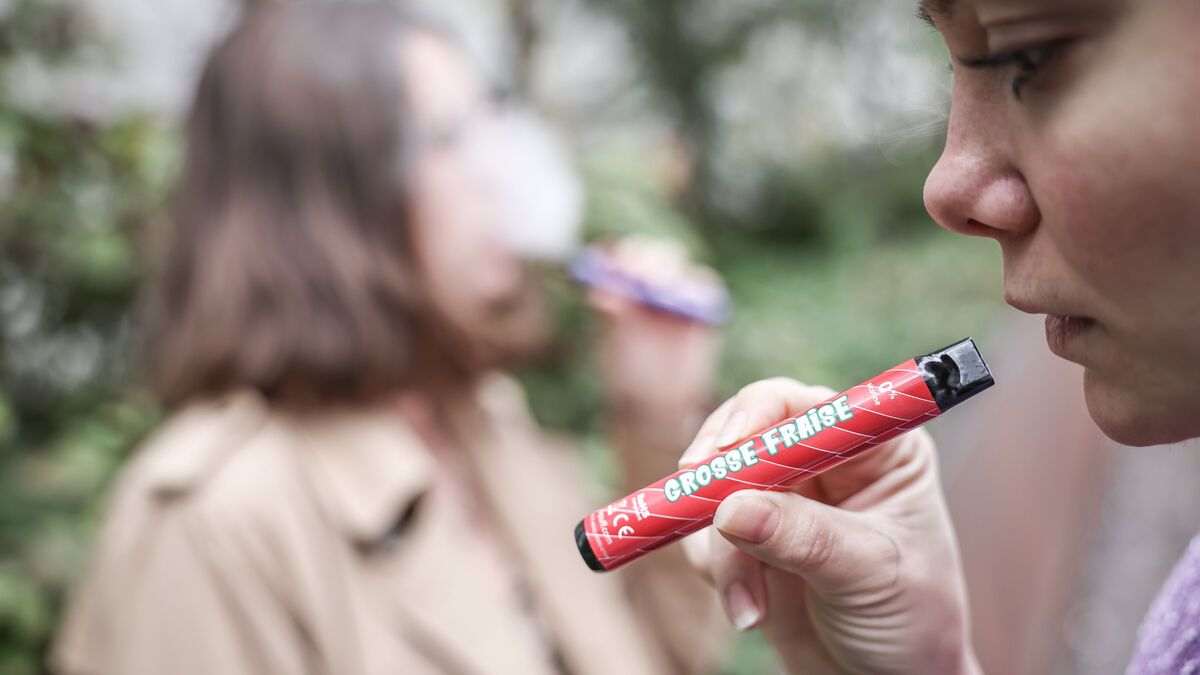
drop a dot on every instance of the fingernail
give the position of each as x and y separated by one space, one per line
733 430
747 517
739 604
700 448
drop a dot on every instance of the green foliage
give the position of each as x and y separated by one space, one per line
76 197
844 200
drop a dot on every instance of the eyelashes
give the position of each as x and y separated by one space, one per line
1026 62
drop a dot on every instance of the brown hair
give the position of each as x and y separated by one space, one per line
286 269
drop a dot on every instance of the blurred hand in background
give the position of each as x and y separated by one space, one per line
655 364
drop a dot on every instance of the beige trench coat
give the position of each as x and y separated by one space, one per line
241 540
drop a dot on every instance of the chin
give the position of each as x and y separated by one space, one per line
515 350
511 339
1139 418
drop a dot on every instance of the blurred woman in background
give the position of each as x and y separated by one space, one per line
346 484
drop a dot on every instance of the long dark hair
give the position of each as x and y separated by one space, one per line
287 266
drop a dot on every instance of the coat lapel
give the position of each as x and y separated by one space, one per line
423 567
538 494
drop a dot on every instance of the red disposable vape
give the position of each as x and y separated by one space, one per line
897 400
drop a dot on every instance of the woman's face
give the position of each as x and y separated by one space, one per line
1074 142
476 285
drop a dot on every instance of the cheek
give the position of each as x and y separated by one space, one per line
463 262
442 193
1114 169
1118 186
441 242
1085 212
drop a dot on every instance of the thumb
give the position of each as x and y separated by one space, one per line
834 550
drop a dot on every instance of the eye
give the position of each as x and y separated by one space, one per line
1027 62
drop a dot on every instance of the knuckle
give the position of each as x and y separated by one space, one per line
766 389
917 448
714 418
821 392
750 390
709 421
924 448
781 381
923 442
891 560
809 542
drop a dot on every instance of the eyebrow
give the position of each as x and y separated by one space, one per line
930 11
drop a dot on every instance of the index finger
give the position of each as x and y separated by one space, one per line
755 406
766 402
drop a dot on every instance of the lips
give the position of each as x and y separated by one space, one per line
1065 330
1063 333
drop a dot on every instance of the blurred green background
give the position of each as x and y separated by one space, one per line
773 166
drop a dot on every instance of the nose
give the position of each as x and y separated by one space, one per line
976 188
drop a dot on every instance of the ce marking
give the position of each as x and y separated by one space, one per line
625 529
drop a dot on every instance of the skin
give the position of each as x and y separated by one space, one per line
1081 162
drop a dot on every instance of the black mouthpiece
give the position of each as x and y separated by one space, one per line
955 374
